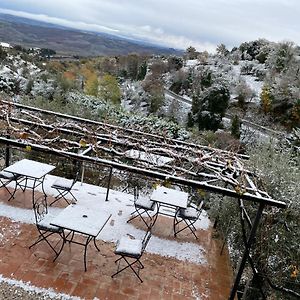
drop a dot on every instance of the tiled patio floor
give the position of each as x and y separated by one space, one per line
164 278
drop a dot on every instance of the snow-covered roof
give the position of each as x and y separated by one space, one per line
5 45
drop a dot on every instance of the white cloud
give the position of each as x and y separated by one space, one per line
175 23
59 21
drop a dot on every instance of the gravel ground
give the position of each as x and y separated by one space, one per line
11 291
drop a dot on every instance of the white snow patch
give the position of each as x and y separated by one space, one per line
33 290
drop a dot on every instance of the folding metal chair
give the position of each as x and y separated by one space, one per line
188 216
64 187
5 179
131 252
143 205
45 229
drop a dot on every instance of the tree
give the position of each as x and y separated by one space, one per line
191 53
244 93
196 104
3 53
174 63
92 84
222 50
276 252
266 99
109 89
158 67
156 101
214 103
281 56
142 71
29 86
295 114
190 120
132 66
45 52
236 127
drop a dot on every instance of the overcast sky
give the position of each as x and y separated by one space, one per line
174 23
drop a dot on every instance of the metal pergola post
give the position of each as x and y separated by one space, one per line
108 184
246 252
7 154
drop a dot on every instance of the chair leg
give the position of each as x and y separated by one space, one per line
62 246
139 214
61 195
188 224
130 265
43 237
3 184
74 198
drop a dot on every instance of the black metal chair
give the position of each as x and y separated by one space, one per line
5 179
64 187
131 251
45 229
143 205
188 216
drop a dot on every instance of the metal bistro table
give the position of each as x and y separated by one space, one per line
169 198
83 220
32 174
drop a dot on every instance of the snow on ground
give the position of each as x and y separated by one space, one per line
252 82
35 291
180 109
120 205
191 62
249 134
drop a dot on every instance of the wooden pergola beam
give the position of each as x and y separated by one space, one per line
158 175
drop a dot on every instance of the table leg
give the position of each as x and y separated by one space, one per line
89 238
96 244
33 188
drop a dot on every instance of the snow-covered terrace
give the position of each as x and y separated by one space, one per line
152 155
174 268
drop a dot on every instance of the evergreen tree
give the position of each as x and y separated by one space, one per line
3 53
236 127
190 120
191 52
222 50
212 107
142 71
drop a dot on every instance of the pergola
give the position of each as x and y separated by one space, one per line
149 154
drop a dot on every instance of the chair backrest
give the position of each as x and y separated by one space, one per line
40 208
146 239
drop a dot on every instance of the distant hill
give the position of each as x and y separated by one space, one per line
66 41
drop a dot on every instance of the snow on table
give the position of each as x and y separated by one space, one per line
82 219
30 168
170 197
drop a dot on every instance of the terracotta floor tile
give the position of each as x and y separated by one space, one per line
164 277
